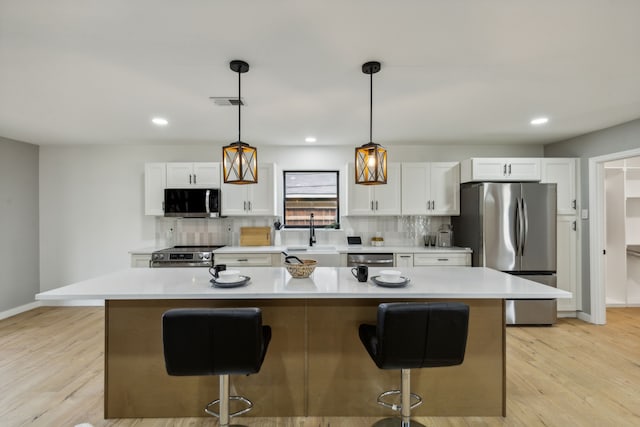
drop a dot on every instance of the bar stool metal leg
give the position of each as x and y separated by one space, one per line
223 415
405 406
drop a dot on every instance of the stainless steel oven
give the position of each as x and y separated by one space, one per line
184 256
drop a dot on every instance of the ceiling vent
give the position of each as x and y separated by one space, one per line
225 101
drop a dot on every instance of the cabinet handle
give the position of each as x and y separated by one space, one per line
194 179
372 205
249 205
574 204
243 260
504 169
574 226
189 178
433 205
245 205
405 256
443 259
509 169
376 205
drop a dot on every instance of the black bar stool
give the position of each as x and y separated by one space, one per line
215 341
415 335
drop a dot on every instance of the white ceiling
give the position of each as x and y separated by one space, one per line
460 71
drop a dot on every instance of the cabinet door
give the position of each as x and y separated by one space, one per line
206 175
179 175
404 260
359 197
561 171
415 180
261 197
567 267
388 196
523 169
481 169
155 180
234 199
444 180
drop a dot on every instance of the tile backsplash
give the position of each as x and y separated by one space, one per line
396 231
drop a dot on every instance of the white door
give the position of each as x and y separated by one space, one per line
444 180
359 197
206 175
567 268
388 199
155 180
415 191
562 172
179 175
261 196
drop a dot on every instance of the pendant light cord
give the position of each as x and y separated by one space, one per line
371 108
239 105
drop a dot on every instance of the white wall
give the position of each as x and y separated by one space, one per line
615 139
92 205
19 278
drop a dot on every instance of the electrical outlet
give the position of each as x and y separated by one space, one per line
584 214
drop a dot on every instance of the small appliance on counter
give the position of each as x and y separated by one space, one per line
445 236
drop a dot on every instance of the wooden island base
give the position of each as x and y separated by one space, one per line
315 364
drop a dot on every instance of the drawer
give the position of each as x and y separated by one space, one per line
243 259
426 260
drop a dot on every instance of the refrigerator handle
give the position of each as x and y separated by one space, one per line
525 228
518 226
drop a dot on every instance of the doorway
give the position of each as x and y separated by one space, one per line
598 172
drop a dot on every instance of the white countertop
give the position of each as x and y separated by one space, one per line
325 282
320 249
340 249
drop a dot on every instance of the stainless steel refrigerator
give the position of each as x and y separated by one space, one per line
511 227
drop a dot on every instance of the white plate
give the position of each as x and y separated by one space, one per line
377 281
229 279
241 282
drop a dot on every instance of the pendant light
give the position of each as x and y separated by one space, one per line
239 159
371 158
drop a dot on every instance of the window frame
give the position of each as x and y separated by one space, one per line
284 199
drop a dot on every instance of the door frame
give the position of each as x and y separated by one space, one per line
596 231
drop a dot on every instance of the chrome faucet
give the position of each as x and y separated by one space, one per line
312 231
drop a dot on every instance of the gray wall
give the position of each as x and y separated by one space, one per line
19 237
606 141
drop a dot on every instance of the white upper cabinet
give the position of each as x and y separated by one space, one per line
196 175
500 169
155 180
562 171
251 199
374 199
431 188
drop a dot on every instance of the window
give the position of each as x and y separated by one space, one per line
307 192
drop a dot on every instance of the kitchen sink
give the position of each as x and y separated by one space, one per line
310 249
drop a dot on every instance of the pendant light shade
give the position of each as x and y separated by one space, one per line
371 158
239 159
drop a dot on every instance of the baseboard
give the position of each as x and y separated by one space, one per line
567 313
584 316
18 310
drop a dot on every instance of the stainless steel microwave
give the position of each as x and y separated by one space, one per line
192 202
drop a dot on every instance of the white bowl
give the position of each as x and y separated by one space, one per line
390 276
228 276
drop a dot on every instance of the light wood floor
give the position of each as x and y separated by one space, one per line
572 374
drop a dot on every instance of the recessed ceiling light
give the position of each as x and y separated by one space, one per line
159 121
539 121
310 139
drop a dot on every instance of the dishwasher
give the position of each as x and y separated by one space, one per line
371 260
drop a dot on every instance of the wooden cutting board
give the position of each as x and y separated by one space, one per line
255 236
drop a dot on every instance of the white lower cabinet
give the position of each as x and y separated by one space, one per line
567 261
403 260
444 259
140 260
247 259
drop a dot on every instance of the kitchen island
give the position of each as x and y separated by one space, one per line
315 365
